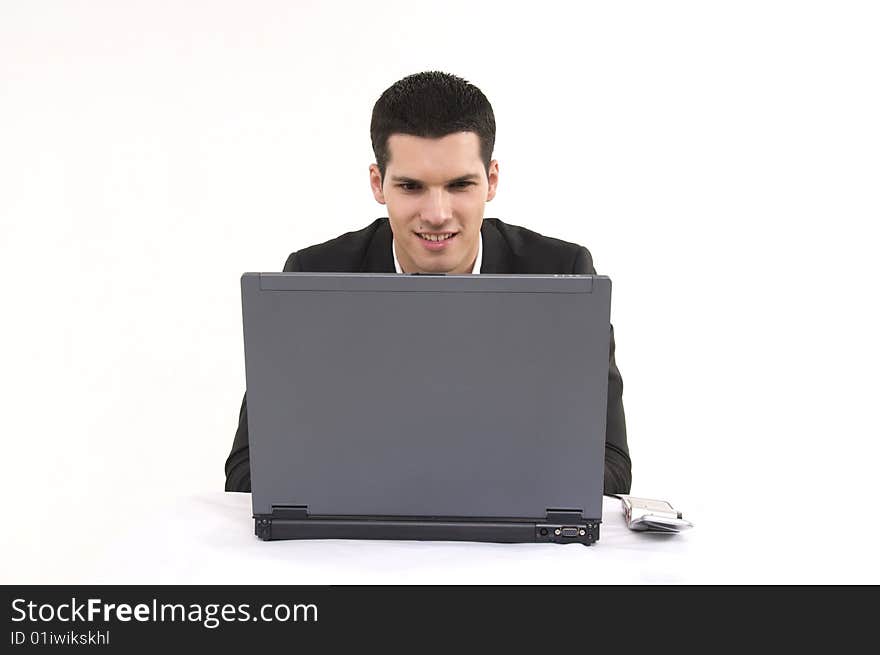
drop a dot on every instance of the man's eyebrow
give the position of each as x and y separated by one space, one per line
470 177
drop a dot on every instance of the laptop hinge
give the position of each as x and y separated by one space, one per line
557 515
290 511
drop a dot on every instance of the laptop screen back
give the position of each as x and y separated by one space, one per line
441 396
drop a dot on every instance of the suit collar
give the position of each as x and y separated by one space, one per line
496 253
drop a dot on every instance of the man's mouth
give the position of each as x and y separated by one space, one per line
436 236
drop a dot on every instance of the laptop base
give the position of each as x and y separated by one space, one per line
583 531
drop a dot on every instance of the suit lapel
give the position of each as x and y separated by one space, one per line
497 257
378 258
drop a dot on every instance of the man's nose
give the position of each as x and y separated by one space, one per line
437 208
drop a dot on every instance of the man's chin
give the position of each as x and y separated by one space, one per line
434 267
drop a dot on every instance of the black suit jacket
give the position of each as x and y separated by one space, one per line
506 249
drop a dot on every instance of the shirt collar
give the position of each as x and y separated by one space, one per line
478 262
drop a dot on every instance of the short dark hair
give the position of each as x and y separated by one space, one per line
431 104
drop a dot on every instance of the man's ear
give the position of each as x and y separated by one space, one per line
493 179
376 184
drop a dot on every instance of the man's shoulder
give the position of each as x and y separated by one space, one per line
532 252
342 254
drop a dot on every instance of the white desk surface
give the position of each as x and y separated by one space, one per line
209 538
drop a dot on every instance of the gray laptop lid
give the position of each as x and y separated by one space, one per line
438 396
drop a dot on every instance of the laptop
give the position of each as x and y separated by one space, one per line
427 407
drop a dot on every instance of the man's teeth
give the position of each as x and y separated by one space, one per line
436 237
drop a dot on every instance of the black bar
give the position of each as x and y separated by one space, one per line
749 617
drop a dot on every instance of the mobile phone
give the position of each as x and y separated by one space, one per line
651 515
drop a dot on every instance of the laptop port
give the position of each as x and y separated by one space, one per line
566 534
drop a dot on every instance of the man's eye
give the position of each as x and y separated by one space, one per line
408 186
461 185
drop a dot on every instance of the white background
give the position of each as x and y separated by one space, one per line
720 160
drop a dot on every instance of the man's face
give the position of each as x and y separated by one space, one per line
435 188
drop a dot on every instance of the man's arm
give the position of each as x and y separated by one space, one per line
618 467
238 464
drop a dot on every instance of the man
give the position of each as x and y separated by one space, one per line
433 136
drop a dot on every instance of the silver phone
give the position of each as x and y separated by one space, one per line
652 515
